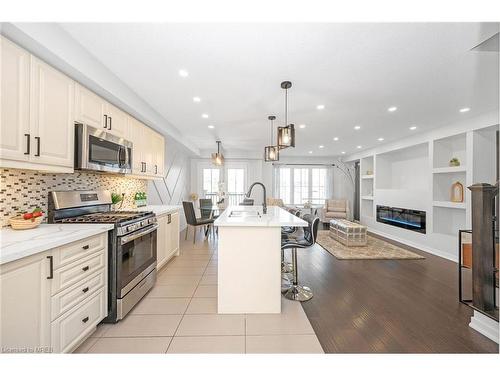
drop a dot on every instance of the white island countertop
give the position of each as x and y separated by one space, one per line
252 216
160 209
17 244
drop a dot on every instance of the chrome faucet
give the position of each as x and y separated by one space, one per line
264 205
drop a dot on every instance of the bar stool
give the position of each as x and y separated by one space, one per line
286 267
298 292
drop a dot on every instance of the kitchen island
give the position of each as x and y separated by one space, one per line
249 258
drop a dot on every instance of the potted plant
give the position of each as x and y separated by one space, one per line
140 199
115 199
454 162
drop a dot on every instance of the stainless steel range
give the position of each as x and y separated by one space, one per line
131 244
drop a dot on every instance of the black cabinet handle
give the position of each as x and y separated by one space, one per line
85 290
156 169
37 146
105 121
86 247
110 119
86 268
51 267
86 319
169 218
27 144
145 166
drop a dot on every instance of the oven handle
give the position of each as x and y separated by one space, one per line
136 235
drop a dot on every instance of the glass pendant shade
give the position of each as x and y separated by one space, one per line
271 153
217 157
286 136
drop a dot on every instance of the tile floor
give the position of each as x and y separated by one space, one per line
179 315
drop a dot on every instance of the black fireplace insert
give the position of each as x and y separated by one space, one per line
413 220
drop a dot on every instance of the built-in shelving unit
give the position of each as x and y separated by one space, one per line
447 204
367 171
367 197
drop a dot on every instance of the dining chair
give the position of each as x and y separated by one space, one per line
194 221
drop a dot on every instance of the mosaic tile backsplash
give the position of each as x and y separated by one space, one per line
22 190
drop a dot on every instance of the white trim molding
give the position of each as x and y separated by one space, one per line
485 326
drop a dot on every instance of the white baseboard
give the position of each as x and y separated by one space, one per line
418 246
485 326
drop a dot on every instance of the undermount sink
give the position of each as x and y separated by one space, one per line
238 213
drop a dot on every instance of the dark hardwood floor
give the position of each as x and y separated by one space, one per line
387 306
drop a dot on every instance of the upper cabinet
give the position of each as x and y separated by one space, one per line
92 110
51 116
39 107
15 100
36 125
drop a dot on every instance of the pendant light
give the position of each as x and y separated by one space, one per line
286 134
271 153
217 157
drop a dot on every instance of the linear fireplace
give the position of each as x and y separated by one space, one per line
402 217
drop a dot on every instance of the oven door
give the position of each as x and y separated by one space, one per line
136 258
98 150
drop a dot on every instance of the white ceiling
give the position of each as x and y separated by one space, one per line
356 70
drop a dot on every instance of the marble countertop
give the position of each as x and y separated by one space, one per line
159 209
17 244
275 217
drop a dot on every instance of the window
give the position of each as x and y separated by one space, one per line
211 180
302 184
235 180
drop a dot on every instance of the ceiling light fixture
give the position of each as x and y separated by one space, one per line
286 134
343 152
196 99
335 138
183 73
302 126
392 109
412 127
358 146
380 139
357 127
211 126
271 153
463 110
320 106
310 152
217 157
321 146
204 115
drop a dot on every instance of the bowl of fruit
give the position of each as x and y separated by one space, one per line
27 220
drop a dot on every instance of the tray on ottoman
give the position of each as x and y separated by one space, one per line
348 233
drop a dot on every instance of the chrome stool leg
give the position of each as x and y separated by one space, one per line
285 266
297 292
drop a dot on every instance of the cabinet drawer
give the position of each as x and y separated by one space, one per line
71 297
74 272
79 249
72 327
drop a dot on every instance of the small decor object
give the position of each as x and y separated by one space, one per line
193 197
28 220
457 192
454 162
307 204
369 172
117 198
140 199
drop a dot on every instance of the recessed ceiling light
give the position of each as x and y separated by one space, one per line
412 127
463 110
380 139
358 146
392 109
343 152
302 126
321 146
310 152
357 127
320 106
204 115
183 73
211 126
196 99
335 138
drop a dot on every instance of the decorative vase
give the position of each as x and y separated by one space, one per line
457 192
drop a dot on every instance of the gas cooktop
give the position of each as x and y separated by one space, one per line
114 217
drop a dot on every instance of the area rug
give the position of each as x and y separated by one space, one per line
375 248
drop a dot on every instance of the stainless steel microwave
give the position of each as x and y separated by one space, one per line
97 150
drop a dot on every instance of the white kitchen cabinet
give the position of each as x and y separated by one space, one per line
14 118
89 108
158 156
51 116
25 303
137 139
117 121
148 159
56 298
167 238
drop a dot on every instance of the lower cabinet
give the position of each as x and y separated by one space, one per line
167 238
52 306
